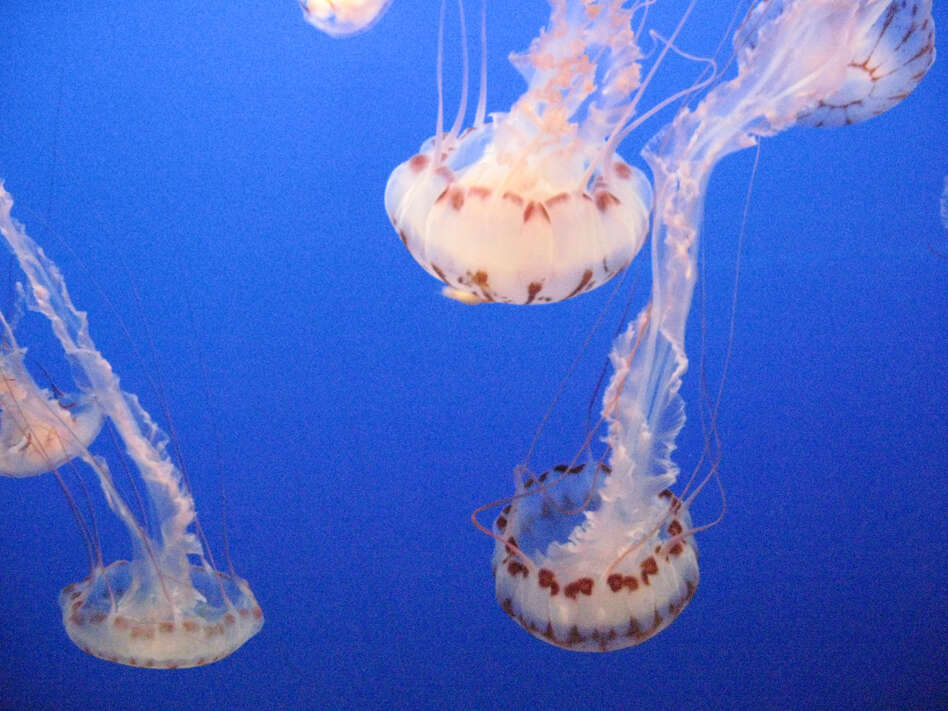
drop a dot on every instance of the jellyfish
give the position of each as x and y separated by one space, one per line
39 432
343 18
167 607
600 555
534 205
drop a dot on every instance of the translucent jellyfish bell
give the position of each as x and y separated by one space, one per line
891 46
534 205
168 607
130 614
38 433
343 18
601 556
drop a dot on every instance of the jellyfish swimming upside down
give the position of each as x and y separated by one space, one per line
168 607
601 556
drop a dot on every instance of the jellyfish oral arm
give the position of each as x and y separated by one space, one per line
791 57
794 57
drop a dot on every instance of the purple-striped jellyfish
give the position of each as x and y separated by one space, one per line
601 556
343 18
534 205
168 607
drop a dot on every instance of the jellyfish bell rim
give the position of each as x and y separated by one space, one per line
175 638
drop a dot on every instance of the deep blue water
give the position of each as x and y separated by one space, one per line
228 162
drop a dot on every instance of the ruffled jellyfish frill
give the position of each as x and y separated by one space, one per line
168 607
601 556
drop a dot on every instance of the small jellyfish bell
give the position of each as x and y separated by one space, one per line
601 556
38 432
534 205
343 18
168 607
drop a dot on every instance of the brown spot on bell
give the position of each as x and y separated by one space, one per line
535 209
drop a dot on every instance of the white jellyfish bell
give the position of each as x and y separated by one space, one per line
39 432
343 18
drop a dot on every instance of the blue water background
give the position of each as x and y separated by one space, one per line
226 162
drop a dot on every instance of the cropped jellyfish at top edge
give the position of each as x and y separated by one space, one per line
601 556
534 205
168 607
343 18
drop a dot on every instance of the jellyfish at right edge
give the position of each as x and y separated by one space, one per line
343 18
168 607
611 573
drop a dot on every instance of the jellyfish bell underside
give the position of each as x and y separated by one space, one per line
496 229
888 49
38 433
343 18
589 576
121 613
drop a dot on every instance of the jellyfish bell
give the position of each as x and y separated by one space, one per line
887 49
129 614
343 18
534 205
38 432
601 603
602 556
168 607
600 586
